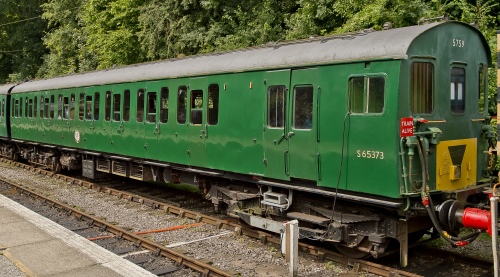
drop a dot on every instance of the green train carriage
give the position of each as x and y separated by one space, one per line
285 130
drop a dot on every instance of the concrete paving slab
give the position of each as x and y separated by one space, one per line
94 271
21 233
8 216
47 258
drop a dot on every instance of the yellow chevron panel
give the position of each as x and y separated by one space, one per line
456 162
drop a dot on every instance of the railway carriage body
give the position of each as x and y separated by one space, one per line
344 133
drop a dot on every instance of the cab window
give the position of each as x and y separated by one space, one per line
457 90
422 88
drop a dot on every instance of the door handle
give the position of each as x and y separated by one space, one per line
291 134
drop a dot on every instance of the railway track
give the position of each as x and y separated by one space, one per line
179 210
154 257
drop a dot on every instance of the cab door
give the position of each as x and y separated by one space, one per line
197 127
276 154
302 125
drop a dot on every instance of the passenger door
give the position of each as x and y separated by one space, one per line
276 153
197 128
302 124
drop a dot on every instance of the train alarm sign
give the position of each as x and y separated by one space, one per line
406 127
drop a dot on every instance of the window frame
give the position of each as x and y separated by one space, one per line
366 94
179 112
294 108
411 87
455 76
275 107
211 119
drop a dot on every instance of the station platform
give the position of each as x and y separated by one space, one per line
39 247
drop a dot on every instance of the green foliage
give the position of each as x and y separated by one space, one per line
21 48
111 27
65 39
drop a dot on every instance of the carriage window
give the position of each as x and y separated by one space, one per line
20 107
457 90
140 105
126 105
302 107
97 101
367 94
196 106
213 104
276 103
16 108
47 108
116 107
151 107
164 105
181 104
26 108
52 108
72 107
483 92
82 106
2 113
422 87
66 108
88 107
35 107
42 107
60 106
30 108
107 106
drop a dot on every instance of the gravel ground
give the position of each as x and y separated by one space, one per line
7 268
227 251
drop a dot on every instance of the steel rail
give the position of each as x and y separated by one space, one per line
178 258
320 253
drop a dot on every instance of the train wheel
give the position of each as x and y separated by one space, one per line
14 156
355 253
351 252
55 167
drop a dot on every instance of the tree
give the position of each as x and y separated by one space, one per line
21 48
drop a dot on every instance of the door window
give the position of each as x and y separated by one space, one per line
196 107
302 107
181 104
276 104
